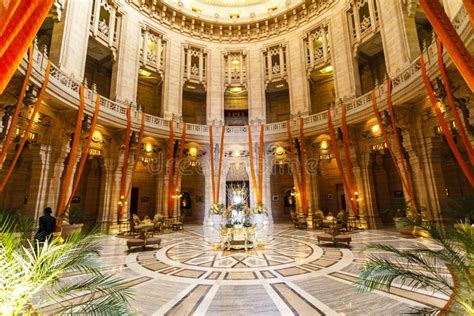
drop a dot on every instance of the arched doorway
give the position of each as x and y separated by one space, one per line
87 197
387 186
193 190
281 185
237 177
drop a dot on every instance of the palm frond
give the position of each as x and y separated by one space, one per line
423 267
35 269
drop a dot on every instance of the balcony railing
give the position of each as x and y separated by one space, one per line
409 80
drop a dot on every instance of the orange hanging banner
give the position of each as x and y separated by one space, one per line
469 5
7 11
174 173
347 155
390 150
211 157
332 135
444 126
28 128
452 104
219 167
455 47
126 153
397 140
85 153
71 159
304 197
180 158
170 167
293 164
252 166
138 150
19 24
260 165
16 114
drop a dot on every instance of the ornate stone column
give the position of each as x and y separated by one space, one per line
295 61
125 72
75 38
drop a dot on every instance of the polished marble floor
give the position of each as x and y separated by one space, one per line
288 274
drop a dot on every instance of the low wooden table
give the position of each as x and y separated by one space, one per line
177 226
335 239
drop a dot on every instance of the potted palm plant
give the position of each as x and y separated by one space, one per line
407 219
33 275
422 267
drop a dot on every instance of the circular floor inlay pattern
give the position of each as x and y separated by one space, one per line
279 251
187 256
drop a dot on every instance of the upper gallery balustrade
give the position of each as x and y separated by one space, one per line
236 27
406 83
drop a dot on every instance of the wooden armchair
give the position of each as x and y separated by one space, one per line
318 218
134 222
299 221
158 220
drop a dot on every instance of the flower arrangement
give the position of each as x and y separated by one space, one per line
247 222
259 209
217 209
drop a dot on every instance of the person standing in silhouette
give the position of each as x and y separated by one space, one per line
47 226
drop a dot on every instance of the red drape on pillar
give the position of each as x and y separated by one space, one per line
174 164
332 135
260 165
170 167
252 166
85 154
304 196
71 159
347 156
16 115
137 155
390 150
469 5
28 128
444 126
398 142
123 181
211 157
293 164
452 104
219 167
447 33
19 23
180 158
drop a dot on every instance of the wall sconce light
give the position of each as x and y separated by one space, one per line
324 145
375 130
122 201
97 137
193 152
279 151
148 148
356 197
440 104
294 192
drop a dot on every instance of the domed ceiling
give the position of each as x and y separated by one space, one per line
233 11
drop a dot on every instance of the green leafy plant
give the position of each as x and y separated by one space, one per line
423 267
217 208
247 222
36 271
74 216
229 225
259 209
